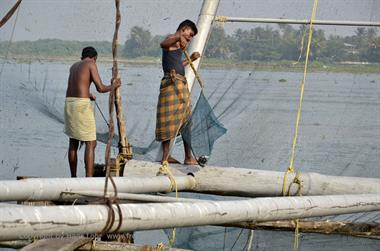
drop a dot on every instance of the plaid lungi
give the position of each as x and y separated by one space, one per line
174 106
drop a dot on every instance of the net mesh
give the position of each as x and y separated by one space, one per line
202 130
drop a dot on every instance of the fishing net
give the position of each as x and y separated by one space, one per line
202 130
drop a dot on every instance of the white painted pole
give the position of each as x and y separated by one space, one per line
295 21
123 196
51 188
213 180
44 222
204 23
255 183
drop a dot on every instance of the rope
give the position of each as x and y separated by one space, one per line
296 235
290 169
250 240
10 39
164 169
193 68
110 201
160 246
9 13
237 238
221 19
224 238
101 113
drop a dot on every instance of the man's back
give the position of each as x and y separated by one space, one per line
79 79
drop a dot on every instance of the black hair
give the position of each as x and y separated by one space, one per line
89 52
188 23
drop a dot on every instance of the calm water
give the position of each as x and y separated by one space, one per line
339 132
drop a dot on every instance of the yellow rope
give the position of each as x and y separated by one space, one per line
165 169
290 168
160 246
297 180
296 235
221 19
193 68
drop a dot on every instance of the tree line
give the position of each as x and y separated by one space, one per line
257 44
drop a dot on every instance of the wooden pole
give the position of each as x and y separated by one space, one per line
360 229
41 222
112 246
124 147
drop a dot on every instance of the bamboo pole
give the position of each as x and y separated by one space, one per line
42 222
360 229
124 147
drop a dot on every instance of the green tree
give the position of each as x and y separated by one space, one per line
219 44
139 42
290 43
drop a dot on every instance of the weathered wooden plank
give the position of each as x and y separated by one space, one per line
362 229
60 244
105 246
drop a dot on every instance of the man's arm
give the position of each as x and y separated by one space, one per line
100 87
170 41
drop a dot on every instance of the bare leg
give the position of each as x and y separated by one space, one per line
165 153
189 159
72 155
89 157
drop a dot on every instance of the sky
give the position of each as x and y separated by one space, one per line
93 20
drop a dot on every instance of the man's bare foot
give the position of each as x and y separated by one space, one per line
191 161
172 160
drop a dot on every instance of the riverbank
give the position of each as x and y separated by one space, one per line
275 66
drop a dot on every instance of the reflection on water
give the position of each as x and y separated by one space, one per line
339 132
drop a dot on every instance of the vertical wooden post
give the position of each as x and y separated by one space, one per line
125 150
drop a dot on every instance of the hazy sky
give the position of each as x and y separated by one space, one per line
88 20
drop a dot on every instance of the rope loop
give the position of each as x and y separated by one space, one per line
165 170
160 246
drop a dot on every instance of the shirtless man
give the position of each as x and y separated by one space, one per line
79 113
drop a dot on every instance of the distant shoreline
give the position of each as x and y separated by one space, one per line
315 66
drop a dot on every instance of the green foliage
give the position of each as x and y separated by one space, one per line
142 43
53 48
257 44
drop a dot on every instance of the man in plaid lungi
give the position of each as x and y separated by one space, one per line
174 104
